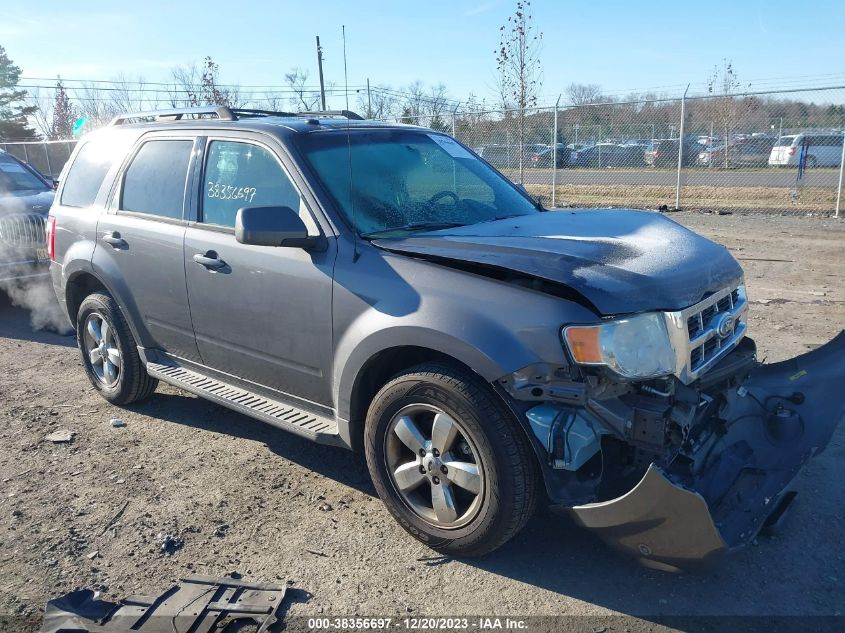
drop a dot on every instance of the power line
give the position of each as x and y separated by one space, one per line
143 82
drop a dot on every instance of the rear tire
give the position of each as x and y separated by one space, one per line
482 491
109 352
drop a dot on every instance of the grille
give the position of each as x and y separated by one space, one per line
23 230
697 343
705 344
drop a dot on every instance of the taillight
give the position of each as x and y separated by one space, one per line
791 151
51 237
657 154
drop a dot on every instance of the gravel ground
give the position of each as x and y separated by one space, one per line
243 496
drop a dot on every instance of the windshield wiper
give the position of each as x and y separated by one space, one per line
415 226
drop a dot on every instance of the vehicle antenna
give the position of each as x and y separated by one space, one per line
355 253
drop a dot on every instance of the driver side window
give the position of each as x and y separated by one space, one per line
243 175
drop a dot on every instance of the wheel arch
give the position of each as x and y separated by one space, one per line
377 371
78 286
84 282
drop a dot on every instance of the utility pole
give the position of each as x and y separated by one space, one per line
681 150
369 101
320 67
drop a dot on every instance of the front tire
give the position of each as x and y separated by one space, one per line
449 461
109 352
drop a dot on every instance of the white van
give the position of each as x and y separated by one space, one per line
824 150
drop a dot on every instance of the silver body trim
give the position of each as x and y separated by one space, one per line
694 334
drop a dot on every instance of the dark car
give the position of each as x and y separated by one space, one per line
544 157
379 287
609 155
664 152
25 199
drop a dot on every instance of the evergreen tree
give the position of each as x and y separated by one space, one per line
13 112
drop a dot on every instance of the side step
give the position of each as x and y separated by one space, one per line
309 425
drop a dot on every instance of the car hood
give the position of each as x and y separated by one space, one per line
620 260
26 202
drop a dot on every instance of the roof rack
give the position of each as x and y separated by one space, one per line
249 112
222 113
344 114
225 113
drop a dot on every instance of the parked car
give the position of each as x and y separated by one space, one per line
543 158
664 152
507 156
609 155
378 287
823 150
25 199
753 152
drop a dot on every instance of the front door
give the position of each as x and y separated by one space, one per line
260 313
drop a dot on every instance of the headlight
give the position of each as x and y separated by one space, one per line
635 347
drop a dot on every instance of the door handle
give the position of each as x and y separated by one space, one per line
210 260
114 240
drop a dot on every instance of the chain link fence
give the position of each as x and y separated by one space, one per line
774 152
48 157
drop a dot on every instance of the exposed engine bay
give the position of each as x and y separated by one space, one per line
676 474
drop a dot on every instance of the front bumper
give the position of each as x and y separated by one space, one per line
782 415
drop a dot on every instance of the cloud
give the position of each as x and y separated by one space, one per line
479 9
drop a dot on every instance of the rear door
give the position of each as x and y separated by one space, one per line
140 242
264 315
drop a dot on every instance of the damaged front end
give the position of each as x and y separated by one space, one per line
677 474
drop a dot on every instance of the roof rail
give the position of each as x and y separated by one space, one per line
249 112
222 113
346 114
225 113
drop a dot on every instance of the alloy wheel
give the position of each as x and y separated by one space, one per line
101 346
435 466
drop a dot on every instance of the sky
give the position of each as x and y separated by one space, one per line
622 46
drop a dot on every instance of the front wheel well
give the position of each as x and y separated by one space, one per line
377 371
77 289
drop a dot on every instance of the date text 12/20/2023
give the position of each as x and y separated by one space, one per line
417 623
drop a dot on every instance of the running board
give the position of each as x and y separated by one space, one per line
309 425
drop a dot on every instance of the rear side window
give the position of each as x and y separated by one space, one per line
243 175
155 180
88 170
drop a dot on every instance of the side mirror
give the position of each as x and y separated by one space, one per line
272 226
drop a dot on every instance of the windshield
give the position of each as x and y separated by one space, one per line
14 177
406 180
785 141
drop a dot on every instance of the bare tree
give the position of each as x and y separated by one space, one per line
199 86
726 108
518 61
583 94
63 114
381 102
303 98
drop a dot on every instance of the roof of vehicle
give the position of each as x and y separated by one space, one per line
276 123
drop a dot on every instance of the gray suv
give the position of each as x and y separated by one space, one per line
382 288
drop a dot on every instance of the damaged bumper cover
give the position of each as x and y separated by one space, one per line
685 516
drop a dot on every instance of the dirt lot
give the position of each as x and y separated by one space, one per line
246 497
